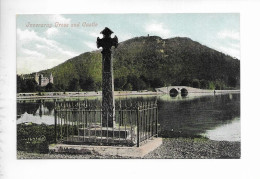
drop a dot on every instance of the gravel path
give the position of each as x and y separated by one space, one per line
172 148
183 148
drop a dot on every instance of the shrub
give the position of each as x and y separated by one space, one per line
203 84
34 138
211 85
195 83
185 82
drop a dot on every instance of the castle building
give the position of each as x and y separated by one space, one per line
43 81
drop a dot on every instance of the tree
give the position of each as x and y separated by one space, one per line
49 87
90 84
185 82
140 85
157 83
87 84
31 85
128 87
211 85
217 87
20 84
195 83
59 87
120 83
220 85
203 84
74 85
136 82
232 81
98 85
26 85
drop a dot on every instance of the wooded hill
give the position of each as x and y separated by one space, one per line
150 62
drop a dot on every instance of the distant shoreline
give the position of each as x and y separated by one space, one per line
54 95
79 94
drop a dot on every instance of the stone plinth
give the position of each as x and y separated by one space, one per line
96 135
105 132
91 140
108 151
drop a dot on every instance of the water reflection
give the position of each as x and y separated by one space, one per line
193 115
173 92
36 111
186 116
184 92
32 107
228 132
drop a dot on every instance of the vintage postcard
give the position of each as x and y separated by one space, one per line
145 86
111 89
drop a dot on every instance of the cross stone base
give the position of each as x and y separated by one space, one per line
106 132
103 136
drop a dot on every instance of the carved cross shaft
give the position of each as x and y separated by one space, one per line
108 100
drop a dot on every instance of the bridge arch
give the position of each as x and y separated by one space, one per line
184 92
173 92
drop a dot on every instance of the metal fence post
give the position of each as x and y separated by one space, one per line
137 124
156 120
55 125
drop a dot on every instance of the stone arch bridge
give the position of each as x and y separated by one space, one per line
181 89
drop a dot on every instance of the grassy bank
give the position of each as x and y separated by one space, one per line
172 148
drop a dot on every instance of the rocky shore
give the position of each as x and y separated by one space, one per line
172 148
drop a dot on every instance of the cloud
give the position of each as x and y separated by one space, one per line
37 53
121 37
230 42
157 29
235 45
234 35
29 36
234 52
51 32
30 64
26 37
91 45
124 37
32 53
95 34
59 18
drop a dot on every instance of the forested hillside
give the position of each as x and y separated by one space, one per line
150 62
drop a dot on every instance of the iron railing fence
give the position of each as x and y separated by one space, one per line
80 122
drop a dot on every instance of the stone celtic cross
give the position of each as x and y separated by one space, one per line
108 100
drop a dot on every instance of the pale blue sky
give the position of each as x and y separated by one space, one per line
40 48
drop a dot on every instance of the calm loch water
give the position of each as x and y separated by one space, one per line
214 116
